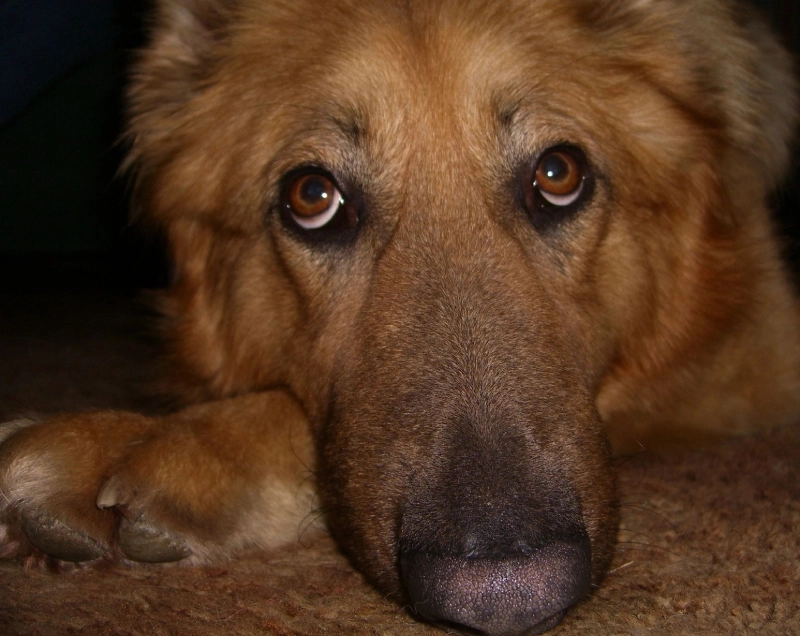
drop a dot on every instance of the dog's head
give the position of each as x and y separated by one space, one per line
450 228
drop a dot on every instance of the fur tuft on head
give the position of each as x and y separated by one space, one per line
169 72
740 76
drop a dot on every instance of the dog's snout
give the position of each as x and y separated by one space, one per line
524 593
491 543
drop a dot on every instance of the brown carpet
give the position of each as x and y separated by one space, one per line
710 540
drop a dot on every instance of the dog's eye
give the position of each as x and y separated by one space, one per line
559 177
556 187
312 200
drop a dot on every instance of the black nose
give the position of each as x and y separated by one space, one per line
494 539
500 595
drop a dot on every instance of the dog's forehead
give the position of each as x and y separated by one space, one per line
414 66
444 95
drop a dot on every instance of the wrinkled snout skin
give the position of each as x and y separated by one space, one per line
486 498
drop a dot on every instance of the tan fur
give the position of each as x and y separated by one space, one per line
661 309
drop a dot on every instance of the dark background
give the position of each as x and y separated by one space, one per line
63 210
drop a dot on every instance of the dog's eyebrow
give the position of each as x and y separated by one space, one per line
505 115
352 123
506 111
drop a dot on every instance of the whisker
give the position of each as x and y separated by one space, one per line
645 507
621 567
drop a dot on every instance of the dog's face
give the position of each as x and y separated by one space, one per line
449 229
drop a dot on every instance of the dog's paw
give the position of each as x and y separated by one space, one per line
171 502
43 507
197 486
138 537
62 501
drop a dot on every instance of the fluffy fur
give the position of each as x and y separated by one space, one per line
452 363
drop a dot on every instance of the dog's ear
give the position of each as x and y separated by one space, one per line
759 94
169 72
182 39
736 73
747 76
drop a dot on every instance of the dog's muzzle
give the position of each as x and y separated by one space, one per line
491 543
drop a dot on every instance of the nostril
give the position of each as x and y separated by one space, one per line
522 594
524 548
470 546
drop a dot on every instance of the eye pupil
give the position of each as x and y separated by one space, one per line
555 168
558 174
313 189
311 200
311 195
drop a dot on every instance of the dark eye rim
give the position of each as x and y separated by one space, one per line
542 212
343 225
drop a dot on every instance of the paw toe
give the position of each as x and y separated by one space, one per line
140 540
57 539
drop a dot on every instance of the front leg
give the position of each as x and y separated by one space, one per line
198 485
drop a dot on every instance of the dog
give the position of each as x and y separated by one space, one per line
433 260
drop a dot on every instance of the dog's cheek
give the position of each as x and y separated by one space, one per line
362 492
594 481
230 315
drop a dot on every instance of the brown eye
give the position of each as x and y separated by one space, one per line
559 177
312 200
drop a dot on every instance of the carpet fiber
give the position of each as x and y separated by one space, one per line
709 543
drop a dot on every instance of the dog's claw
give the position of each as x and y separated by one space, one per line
139 539
55 538
142 541
110 494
